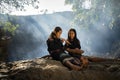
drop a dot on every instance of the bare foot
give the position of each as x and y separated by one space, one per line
77 68
73 66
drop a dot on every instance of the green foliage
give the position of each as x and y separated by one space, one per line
100 11
9 27
103 19
7 6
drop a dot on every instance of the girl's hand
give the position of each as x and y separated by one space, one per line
63 40
68 49
66 41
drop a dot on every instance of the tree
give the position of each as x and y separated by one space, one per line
102 11
7 6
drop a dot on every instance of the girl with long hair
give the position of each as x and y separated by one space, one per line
74 48
57 51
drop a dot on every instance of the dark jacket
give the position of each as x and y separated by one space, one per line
55 48
74 44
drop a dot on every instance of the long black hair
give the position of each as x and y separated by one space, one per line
57 29
75 38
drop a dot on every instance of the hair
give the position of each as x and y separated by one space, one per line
56 29
75 38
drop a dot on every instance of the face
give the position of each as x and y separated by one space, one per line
71 34
58 34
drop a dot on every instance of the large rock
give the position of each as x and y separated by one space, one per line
46 69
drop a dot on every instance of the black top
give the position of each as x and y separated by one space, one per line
55 47
74 44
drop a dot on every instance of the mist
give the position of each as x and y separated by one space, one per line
30 38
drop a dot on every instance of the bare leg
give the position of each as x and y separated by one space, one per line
84 61
96 59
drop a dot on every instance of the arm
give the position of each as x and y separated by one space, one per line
75 51
53 47
78 44
50 44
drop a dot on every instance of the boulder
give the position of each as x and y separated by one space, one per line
48 69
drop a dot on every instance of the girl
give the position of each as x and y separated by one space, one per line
56 49
74 48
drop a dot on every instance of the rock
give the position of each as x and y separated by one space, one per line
47 69
114 68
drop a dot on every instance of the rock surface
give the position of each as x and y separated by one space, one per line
47 69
